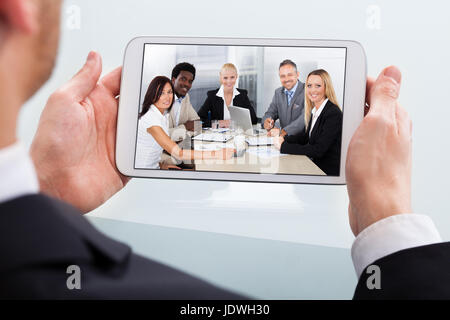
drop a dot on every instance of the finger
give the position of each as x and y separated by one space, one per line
403 123
384 93
369 86
82 84
111 81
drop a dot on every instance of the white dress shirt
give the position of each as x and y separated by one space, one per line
17 174
177 108
148 150
315 113
390 235
220 93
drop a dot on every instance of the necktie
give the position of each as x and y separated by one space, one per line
289 95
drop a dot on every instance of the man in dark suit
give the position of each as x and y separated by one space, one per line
42 237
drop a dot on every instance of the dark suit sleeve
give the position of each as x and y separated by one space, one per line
54 235
331 128
299 138
204 109
415 273
246 104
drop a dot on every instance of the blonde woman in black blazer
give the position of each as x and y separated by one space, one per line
218 101
321 138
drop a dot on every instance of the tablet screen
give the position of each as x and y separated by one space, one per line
286 108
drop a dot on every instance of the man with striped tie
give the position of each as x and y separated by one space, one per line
288 103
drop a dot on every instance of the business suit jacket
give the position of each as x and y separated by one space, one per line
187 113
415 273
291 116
40 237
324 145
214 104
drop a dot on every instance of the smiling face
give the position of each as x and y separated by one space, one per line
288 76
228 78
315 89
165 100
183 83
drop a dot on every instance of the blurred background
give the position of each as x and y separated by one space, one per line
257 68
275 241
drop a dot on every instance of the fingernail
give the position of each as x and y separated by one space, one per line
393 73
91 56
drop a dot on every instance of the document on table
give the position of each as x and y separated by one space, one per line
211 146
215 137
259 141
265 152
220 130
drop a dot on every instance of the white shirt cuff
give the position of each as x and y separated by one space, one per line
390 235
17 172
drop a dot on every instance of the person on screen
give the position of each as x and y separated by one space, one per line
218 100
287 103
320 139
182 115
153 129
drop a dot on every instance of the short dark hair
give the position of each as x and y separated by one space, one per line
288 62
154 92
183 66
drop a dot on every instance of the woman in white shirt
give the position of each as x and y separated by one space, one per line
218 101
153 130
321 138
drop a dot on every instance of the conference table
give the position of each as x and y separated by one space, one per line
254 159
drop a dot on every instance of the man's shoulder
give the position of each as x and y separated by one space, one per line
413 273
41 237
37 229
279 90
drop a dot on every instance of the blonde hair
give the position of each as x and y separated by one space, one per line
329 92
229 66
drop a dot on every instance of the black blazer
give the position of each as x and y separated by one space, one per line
214 104
414 273
40 237
324 145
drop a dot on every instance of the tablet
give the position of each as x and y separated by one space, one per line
310 91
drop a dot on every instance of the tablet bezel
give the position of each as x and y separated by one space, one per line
354 101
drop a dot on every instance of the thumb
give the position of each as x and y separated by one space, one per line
82 84
385 92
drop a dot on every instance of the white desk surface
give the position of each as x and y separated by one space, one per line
252 163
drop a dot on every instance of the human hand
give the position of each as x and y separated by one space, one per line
378 167
275 132
74 146
189 125
178 134
224 154
166 166
277 142
224 123
268 123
